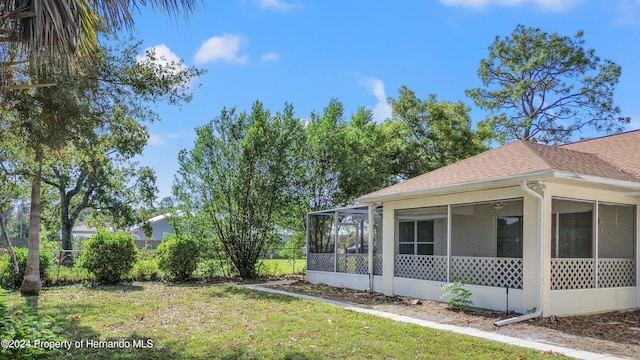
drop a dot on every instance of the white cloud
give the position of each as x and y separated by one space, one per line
553 5
628 12
222 48
382 109
163 56
157 140
184 133
278 5
160 56
270 56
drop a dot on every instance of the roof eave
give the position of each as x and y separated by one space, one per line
633 187
457 188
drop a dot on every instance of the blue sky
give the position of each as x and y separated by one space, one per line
307 52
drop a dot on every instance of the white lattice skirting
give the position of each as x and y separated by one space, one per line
321 262
487 271
568 274
353 263
616 273
424 267
347 263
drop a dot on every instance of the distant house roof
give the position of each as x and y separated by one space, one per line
612 157
151 221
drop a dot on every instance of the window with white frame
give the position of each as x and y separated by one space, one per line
509 236
415 237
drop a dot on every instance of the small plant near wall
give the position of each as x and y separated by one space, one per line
460 296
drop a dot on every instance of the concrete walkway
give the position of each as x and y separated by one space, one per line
577 354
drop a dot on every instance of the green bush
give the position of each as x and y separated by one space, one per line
22 329
110 257
460 297
146 268
178 256
11 280
213 268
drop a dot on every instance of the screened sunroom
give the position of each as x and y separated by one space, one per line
592 244
338 241
525 226
480 243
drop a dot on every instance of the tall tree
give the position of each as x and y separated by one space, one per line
545 87
96 170
238 175
37 34
67 31
83 133
345 157
101 175
324 148
432 133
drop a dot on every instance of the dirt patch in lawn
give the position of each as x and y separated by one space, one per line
615 333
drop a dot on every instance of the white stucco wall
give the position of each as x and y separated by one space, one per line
342 280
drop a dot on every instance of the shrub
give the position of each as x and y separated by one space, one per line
178 256
461 297
110 257
146 268
11 280
213 268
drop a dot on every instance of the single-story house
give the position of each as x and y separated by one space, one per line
159 225
83 232
544 230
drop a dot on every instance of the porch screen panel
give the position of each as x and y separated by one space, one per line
421 249
321 234
572 229
320 255
486 243
572 237
616 245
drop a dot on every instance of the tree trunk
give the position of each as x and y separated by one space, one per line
67 239
5 234
32 283
66 226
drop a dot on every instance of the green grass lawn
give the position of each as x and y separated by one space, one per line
282 266
225 321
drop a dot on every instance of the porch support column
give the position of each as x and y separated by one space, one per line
336 227
388 248
307 251
596 241
546 253
372 209
448 242
637 229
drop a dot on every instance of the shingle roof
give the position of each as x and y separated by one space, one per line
603 157
620 150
